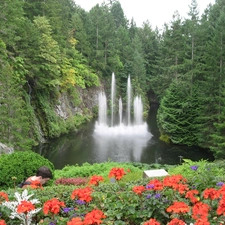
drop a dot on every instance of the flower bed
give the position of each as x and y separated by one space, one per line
170 200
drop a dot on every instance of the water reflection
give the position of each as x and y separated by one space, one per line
86 146
120 148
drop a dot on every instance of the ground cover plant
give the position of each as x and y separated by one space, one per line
178 199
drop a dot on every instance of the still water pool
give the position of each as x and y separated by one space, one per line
86 146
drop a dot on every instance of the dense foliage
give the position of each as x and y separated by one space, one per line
16 167
53 47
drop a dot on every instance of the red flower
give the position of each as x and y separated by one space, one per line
152 222
83 194
52 206
95 180
2 222
191 195
139 189
118 173
221 207
210 193
25 207
94 217
181 188
178 207
75 221
203 221
170 181
3 196
36 184
157 185
200 210
176 221
221 191
177 182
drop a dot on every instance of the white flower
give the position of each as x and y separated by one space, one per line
25 217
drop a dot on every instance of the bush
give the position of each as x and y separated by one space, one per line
16 167
201 173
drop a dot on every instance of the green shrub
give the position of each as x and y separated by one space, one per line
201 174
16 167
101 169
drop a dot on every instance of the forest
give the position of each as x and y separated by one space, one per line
49 47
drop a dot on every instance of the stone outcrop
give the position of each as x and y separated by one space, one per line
88 99
5 149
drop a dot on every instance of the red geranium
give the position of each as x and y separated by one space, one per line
203 221
52 206
94 180
221 207
25 207
118 173
152 222
210 193
94 217
178 207
156 184
221 191
191 195
176 221
170 181
177 182
83 194
3 196
139 189
75 221
200 210
2 222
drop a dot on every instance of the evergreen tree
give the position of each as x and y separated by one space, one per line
47 74
150 46
79 33
216 77
11 13
118 15
94 27
169 63
138 67
177 115
192 45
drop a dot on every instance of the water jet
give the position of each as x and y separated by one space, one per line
126 126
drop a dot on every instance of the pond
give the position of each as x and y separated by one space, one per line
86 146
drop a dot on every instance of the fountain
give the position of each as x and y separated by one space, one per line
125 126
102 102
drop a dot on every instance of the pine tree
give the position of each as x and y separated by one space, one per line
169 63
138 72
177 115
216 77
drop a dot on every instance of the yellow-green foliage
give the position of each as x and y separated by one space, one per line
102 169
165 138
